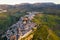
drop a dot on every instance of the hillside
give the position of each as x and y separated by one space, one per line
46 27
44 33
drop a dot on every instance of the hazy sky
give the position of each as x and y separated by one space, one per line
27 1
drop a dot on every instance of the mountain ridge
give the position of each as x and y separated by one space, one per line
6 6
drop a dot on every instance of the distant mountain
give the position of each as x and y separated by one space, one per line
32 7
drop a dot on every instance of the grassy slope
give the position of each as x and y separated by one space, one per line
45 25
44 33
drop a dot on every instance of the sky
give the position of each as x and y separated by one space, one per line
12 2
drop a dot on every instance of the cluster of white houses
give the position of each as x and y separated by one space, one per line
19 29
22 28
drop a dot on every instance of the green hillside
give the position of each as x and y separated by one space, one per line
46 27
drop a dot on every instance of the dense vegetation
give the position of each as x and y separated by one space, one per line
46 27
